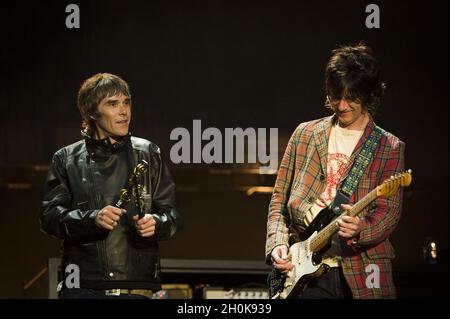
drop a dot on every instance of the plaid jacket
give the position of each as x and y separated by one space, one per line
300 181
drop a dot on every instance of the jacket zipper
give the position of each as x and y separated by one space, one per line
100 245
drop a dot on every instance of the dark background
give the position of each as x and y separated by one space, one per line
230 64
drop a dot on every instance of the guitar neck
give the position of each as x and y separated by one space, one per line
325 234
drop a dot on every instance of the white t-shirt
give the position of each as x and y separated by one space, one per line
341 144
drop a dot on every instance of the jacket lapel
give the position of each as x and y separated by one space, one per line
321 134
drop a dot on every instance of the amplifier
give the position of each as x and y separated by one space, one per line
173 291
235 293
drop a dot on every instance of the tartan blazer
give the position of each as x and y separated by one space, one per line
302 178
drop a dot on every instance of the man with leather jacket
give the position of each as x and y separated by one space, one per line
114 251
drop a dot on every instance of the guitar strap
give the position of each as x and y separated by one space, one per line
359 166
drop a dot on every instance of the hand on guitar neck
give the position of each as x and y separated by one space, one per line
349 227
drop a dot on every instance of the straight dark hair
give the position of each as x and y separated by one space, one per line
93 91
353 73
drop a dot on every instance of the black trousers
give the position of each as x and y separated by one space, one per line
82 293
330 286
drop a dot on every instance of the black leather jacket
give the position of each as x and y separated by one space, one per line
75 191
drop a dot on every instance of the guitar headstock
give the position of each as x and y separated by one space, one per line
390 186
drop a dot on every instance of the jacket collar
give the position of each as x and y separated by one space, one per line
321 135
102 148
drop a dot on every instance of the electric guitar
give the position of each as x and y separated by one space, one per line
307 254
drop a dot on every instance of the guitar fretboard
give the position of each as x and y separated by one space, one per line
325 234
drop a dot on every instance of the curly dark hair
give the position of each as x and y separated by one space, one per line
353 73
93 91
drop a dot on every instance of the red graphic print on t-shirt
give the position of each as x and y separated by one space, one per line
336 165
